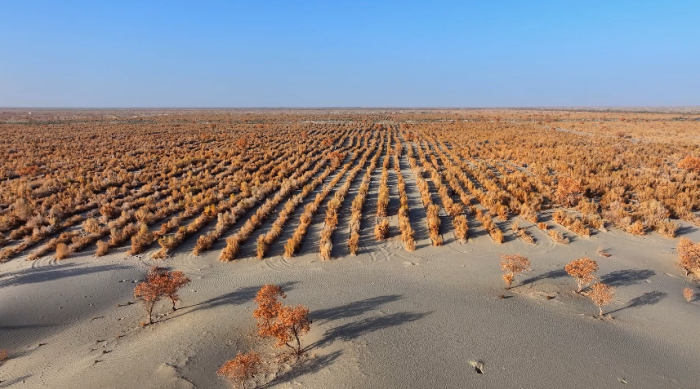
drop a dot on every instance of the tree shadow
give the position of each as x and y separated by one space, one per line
684 230
649 298
237 297
304 366
626 277
550 274
353 309
52 273
356 329
7 384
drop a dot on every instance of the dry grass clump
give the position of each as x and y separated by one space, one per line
601 295
381 229
689 256
522 233
242 369
558 236
582 270
62 251
690 163
512 265
358 202
688 294
141 241
404 212
102 248
433 215
572 223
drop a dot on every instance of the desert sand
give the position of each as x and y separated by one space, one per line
385 318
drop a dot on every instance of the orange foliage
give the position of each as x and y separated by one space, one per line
160 283
513 265
285 323
688 294
690 163
601 294
582 270
241 369
689 255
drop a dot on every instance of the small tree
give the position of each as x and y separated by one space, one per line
286 324
159 283
601 294
582 270
512 265
688 255
241 369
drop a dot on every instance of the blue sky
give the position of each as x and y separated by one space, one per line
355 53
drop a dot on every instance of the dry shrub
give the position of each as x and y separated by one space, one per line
62 251
3 356
160 283
102 248
229 252
689 294
285 323
542 226
461 227
667 228
601 295
326 248
434 224
354 242
582 270
497 235
688 256
91 226
141 240
513 265
690 163
569 192
261 248
410 243
558 237
242 369
637 228
381 229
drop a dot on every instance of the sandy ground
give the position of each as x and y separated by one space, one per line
383 319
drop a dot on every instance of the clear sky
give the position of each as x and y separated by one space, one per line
349 53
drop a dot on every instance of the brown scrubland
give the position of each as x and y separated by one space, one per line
261 197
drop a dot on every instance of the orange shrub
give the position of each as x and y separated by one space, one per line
601 295
285 323
159 283
582 270
513 265
241 369
690 163
688 255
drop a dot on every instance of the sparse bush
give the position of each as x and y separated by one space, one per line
513 265
582 270
601 295
688 294
689 256
62 251
241 369
102 248
381 229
